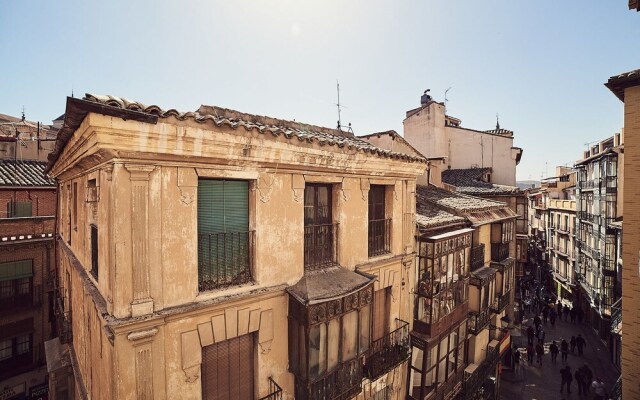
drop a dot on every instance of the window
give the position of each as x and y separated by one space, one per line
6 349
16 209
379 227
16 283
227 369
381 311
319 230
94 251
224 240
75 206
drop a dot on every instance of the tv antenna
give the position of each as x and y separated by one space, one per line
339 105
445 99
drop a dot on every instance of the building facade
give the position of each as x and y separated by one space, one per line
27 272
224 255
562 255
625 315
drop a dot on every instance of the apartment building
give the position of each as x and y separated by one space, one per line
625 315
599 210
21 139
218 254
464 287
27 271
562 255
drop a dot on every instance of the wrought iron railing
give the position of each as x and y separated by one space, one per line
379 237
320 245
343 383
479 320
477 257
275 391
63 321
616 391
502 300
21 301
224 259
611 184
474 380
387 352
499 251
616 314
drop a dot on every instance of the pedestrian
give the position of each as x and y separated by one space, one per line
565 375
559 308
530 334
580 342
545 314
539 353
541 335
537 321
553 349
515 354
552 318
588 374
530 353
580 381
573 315
564 348
573 344
566 311
598 389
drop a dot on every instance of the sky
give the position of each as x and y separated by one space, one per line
539 65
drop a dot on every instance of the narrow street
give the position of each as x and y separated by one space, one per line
543 382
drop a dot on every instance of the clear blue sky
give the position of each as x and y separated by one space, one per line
539 64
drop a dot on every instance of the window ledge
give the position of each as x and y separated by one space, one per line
227 291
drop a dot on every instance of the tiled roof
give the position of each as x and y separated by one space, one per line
328 283
430 216
265 125
618 83
469 181
456 203
24 173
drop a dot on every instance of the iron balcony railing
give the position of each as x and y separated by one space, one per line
562 228
63 321
343 383
224 259
502 300
616 391
616 314
477 257
320 245
479 320
388 352
379 237
21 301
611 184
474 380
275 391
499 251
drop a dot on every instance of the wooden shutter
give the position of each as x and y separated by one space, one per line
228 369
94 251
223 206
380 314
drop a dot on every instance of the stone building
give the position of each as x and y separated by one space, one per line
27 268
217 254
626 315
599 200
21 139
562 248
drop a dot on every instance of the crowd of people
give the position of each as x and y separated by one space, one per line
545 312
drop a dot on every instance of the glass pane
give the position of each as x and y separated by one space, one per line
23 344
365 316
349 335
317 350
334 344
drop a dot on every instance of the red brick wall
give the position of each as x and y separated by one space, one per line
43 201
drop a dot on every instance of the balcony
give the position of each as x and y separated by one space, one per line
608 266
63 321
478 320
388 352
499 251
275 391
616 391
474 379
224 259
343 383
379 237
477 257
616 316
21 301
502 300
611 183
320 248
562 228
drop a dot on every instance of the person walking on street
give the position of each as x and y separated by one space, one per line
539 353
545 314
537 321
564 348
553 349
588 375
598 389
559 308
580 378
541 335
572 313
530 334
573 344
566 311
580 342
530 353
565 374
552 318
516 361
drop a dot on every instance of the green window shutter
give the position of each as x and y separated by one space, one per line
16 270
210 206
236 206
23 209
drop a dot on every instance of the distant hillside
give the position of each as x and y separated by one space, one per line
527 184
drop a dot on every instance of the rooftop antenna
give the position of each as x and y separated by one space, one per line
497 121
23 117
338 105
445 99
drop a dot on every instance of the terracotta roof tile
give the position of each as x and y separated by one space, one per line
469 181
24 173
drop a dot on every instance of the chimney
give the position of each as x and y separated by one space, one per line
425 98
